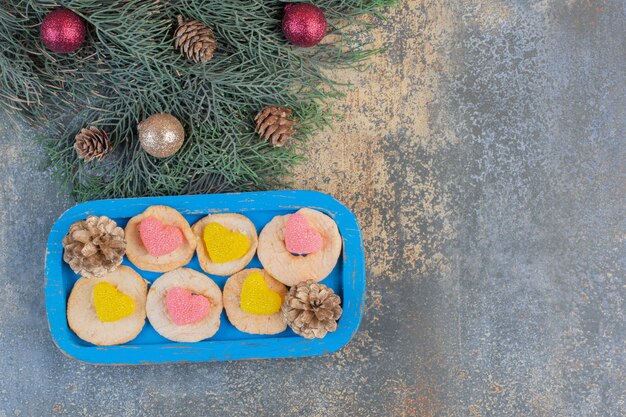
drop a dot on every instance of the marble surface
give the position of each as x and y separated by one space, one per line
484 155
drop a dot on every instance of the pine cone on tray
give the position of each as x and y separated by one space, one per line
195 40
94 247
274 123
92 143
311 309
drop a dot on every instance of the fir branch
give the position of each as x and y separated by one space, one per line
129 69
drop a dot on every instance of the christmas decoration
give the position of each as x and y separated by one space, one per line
161 135
304 24
63 31
274 123
195 40
92 143
94 247
311 309
131 69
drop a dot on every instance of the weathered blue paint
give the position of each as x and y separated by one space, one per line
347 279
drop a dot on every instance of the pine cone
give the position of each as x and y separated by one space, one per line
273 123
94 247
92 143
312 309
195 40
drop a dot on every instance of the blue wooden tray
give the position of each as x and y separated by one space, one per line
347 279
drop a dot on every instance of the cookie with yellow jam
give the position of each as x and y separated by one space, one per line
226 243
108 310
252 300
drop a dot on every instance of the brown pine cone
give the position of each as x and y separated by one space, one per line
195 40
312 309
274 123
94 247
92 143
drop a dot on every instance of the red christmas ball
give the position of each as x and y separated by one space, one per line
63 31
304 24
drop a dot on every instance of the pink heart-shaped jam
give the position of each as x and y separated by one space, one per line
300 238
185 307
159 239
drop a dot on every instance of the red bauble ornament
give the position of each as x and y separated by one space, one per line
304 24
63 31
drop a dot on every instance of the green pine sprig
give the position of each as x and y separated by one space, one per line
128 69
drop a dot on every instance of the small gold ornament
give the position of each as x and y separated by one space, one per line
161 135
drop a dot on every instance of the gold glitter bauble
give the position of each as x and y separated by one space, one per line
161 135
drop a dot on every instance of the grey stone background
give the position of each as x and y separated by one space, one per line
485 156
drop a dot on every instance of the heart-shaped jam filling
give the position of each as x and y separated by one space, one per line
185 307
111 304
224 245
257 297
300 237
159 239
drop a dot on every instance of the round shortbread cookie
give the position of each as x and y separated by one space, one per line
234 223
139 256
83 319
248 322
195 282
292 269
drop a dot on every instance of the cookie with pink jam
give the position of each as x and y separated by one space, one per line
184 305
159 240
300 246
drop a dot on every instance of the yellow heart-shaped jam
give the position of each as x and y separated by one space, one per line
111 305
257 298
224 245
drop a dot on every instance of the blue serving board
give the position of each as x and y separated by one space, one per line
347 279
